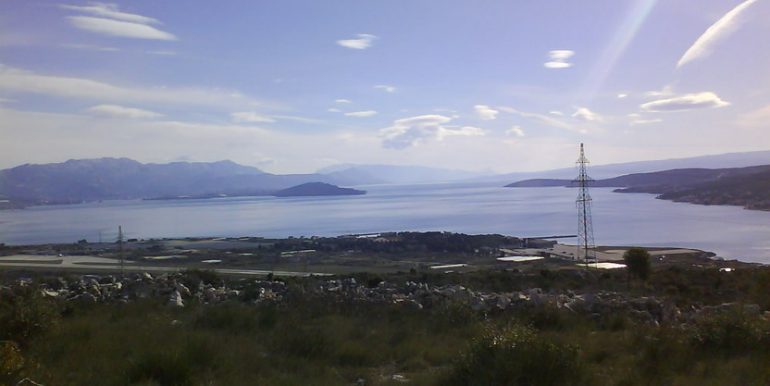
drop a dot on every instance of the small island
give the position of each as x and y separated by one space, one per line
317 189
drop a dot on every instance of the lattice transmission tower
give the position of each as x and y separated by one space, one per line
585 248
120 253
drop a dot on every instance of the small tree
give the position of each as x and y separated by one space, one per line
637 263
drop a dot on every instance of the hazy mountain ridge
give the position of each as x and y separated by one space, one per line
748 187
86 180
716 161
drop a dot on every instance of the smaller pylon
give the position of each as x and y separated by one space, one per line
120 252
585 247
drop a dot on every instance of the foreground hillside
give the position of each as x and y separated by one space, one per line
748 187
690 323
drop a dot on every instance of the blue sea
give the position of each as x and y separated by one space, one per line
619 219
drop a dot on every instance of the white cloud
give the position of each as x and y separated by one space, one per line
343 101
110 11
250 117
717 31
364 41
119 28
637 119
645 121
485 112
515 131
414 131
586 115
333 110
540 118
21 81
464 131
622 95
557 65
296 119
664 92
89 47
385 88
117 111
361 114
756 119
555 112
558 59
703 100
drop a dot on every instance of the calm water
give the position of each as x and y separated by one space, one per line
619 219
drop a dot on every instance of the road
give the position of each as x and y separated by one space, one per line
95 263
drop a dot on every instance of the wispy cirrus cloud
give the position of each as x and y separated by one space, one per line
586 115
413 131
110 11
703 46
363 42
558 59
485 112
515 131
755 119
386 88
108 19
637 119
16 80
117 111
539 118
361 114
250 117
90 47
119 28
343 101
702 100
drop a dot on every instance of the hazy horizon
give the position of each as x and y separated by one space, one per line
486 172
295 86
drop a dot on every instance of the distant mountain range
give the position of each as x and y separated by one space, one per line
748 187
86 180
718 161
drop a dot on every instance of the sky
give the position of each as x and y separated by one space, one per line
292 86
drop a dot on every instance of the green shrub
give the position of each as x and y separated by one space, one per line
303 343
637 263
11 361
731 332
546 317
172 366
25 315
231 317
517 356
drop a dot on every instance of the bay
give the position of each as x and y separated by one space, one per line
619 219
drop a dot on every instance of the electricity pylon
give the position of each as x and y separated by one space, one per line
585 248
